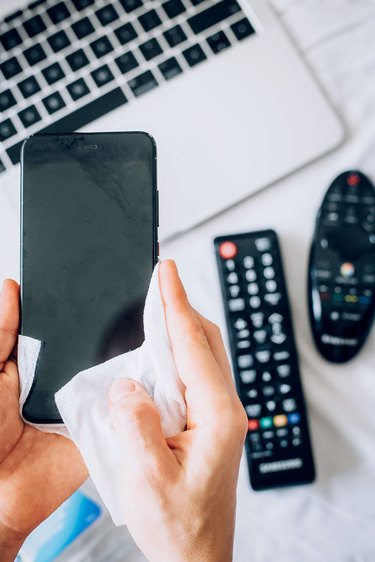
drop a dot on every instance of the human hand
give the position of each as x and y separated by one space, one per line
38 471
179 493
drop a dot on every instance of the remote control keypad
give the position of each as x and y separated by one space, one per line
263 347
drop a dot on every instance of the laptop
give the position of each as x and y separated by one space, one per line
218 83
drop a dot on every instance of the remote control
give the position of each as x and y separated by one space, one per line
342 268
265 359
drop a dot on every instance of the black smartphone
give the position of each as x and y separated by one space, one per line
89 218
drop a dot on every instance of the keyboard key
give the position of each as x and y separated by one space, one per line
143 83
175 35
130 5
194 55
77 119
34 54
82 4
107 15
53 73
10 67
13 16
78 89
218 42
77 60
58 12
34 25
29 116
213 15
125 33
101 47
53 103
126 62
242 29
7 100
82 28
35 4
150 49
29 87
7 130
58 41
149 20
102 75
170 68
10 39
173 8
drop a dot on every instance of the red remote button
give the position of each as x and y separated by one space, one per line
253 425
353 180
228 250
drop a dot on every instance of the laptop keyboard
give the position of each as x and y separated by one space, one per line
64 64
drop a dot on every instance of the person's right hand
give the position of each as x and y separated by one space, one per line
179 494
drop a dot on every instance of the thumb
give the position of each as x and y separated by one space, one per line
137 423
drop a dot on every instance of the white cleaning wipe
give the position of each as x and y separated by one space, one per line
83 402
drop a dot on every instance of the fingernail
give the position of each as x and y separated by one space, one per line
119 389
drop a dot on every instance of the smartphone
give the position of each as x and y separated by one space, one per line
89 218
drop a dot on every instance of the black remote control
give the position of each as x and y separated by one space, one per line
342 268
264 359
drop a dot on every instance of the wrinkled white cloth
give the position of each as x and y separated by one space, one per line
83 402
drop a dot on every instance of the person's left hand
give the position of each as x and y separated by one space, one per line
38 471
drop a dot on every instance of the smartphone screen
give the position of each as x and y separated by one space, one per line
89 245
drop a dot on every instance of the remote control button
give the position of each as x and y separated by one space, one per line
272 298
266 423
263 244
282 432
271 405
248 376
243 344
296 430
283 370
268 434
268 391
253 425
250 275
278 338
228 250
253 289
253 410
230 265
269 273
285 388
242 334
280 420
267 259
252 393
353 180
266 376
240 324
269 445
284 444
294 418
234 291
248 262
245 361
236 305
260 336
289 405
263 356
254 302
232 278
347 269
257 319
275 318
296 442
281 355
271 286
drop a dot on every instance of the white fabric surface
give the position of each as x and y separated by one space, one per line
83 402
